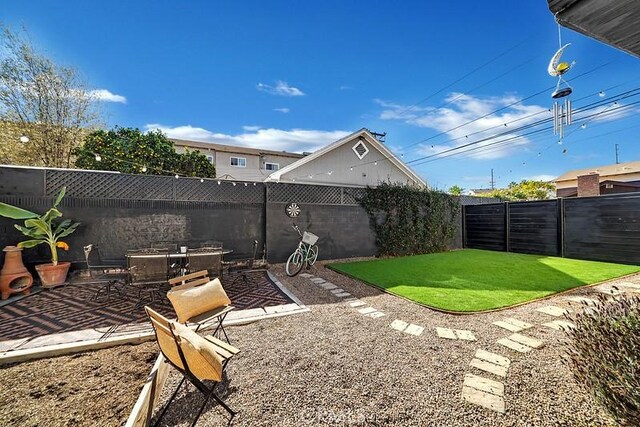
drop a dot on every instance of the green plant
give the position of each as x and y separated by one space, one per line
604 355
410 220
42 229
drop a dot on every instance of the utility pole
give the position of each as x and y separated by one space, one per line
493 182
617 160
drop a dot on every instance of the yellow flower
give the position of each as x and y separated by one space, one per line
62 245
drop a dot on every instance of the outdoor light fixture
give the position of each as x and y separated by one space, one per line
144 169
583 126
201 180
375 163
330 172
218 182
98 158
24 139
177 176
234 184
601 94
351 168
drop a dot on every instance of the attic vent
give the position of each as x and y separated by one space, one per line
360 149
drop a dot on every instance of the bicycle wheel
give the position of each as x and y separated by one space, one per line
294 263
312 255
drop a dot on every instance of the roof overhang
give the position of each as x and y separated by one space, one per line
614 22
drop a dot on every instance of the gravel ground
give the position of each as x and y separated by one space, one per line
334 366
86 389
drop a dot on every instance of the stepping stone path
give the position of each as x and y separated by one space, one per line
559 325
513 325
552 310
482 391
341 293
608 290
455 334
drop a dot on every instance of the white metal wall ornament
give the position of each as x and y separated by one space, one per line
293 210
562 113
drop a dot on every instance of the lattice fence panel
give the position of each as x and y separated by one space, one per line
309 194
191 189
101 185
352 195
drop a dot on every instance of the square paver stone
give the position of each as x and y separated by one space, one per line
508 326
343 294
328 286
518 323
306 275
446 333
366 310
484 384
559 325
375 314
357 303
398 325
414 329
552 310
337 290
514 345
483 365
318 280
496 359
484 399
629 285
608 290
465 335
581 300
525 340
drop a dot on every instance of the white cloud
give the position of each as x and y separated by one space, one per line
105 95
345 87
460 109
282 110
251 128
281 88
293 140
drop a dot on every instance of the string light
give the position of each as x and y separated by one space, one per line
98 158
201 180
375 163
218 182
144 169
24 139
601 94
177 176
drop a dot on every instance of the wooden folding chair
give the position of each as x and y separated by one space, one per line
197 358
218 314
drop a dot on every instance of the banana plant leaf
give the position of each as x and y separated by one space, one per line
68 231
38 225
30 243
30 232
14 212
60 196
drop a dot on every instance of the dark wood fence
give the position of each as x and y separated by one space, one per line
603 228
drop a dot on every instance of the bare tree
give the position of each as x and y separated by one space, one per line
44 107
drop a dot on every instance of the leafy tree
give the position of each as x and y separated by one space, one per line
129 150
42 101
525 190
456 190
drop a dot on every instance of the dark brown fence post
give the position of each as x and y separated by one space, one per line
560 202
507 220
464 225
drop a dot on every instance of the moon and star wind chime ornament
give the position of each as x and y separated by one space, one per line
562 112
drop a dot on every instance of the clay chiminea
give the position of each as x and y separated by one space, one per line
14 276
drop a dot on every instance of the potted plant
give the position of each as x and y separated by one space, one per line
44 229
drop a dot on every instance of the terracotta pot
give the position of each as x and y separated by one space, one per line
53 275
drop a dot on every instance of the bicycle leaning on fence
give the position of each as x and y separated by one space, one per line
305 253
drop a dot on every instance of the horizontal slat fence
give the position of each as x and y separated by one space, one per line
603 228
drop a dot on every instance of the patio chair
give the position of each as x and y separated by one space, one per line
206 258
197 358
200 301
147 270
109 274
240 268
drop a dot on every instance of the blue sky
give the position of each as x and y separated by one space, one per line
291 75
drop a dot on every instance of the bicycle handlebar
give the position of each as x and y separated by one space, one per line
295 227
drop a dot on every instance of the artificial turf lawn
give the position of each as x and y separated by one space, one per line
474 280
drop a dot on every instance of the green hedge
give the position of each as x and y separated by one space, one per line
410 220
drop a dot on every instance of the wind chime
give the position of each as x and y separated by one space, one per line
562 112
